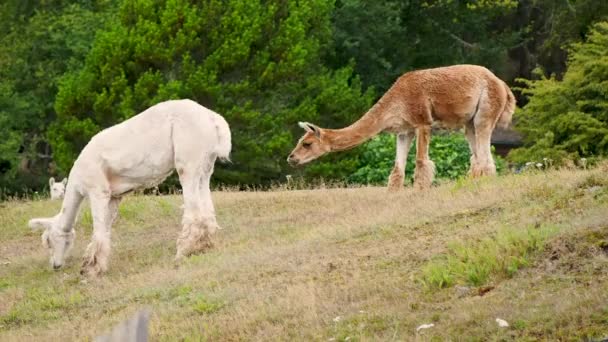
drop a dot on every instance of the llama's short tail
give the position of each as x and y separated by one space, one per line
504 120
224 145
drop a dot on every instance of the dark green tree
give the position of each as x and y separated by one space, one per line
258 63
388 38
546 29
569 118
43 40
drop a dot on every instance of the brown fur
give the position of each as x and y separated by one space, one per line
395 179
424 174
453 96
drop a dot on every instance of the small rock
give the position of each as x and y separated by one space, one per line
425 326
462 291
337 319
502 323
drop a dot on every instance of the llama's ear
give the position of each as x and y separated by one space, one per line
64 181
40 223
51 181
304 125
308 127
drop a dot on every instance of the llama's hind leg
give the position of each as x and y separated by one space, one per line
484 165
208 209
97 254
425 168
469 133
198 222
404 141
490 108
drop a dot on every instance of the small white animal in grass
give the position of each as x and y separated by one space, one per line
57 188
502 323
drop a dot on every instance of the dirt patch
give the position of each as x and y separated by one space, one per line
576 251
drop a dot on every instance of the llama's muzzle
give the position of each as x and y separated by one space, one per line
293 161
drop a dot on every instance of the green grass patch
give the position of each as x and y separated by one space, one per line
475 263
204 305
40 305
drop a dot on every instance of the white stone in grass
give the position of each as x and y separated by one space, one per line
502 323
425 326
337 319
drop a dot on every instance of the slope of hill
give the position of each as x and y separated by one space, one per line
333 264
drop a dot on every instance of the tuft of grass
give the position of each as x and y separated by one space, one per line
41 305
204 305
475 263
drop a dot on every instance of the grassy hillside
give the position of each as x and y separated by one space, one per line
333 264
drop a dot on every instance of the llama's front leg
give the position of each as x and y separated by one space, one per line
97 254
404 141
425 168
197 223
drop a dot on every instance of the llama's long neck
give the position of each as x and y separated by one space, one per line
368 126
69 208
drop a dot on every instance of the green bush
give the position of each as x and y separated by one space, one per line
449 151
568 119
256 63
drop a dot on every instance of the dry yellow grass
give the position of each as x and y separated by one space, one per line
329 264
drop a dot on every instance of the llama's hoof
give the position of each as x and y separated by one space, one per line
395 180
197 245
424 174
395 187
422 186
482 170
90 270
91 267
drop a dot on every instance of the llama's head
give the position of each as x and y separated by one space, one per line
57 188
310 147
56 240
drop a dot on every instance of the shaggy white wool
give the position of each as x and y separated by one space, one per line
140 153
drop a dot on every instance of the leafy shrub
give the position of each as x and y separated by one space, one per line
568 119
450 153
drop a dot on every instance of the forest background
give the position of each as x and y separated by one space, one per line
71 68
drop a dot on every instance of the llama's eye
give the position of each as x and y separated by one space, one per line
306 145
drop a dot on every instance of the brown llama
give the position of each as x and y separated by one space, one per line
452 96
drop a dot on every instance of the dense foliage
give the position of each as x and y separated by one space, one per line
387 38
568 119
71 68
450 153
257 63
43 40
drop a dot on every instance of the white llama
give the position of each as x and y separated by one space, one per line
57 188
140 153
